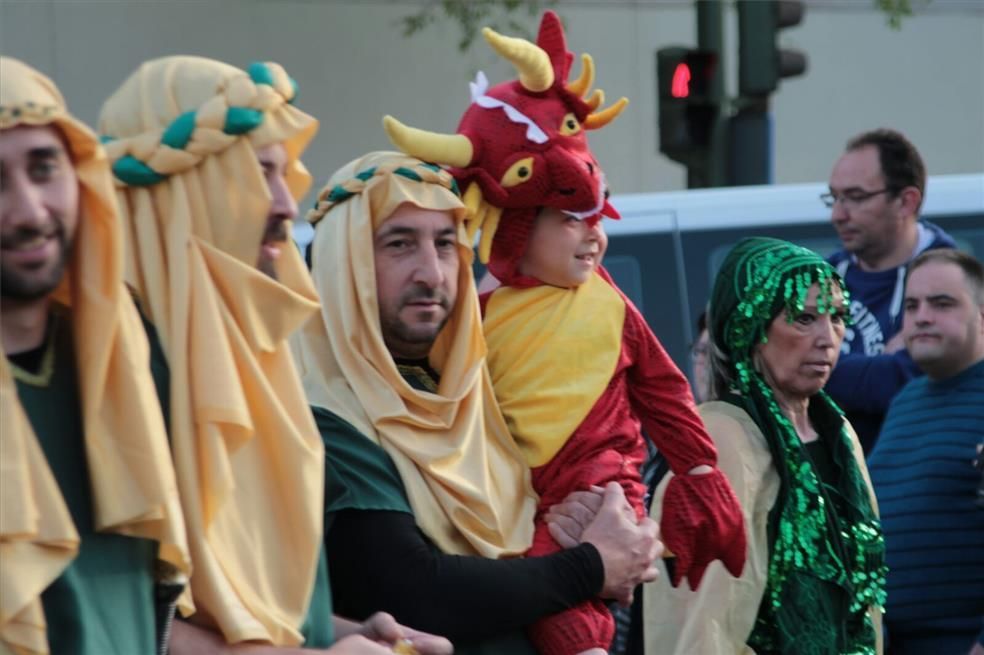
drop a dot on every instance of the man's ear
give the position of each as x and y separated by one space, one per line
911 199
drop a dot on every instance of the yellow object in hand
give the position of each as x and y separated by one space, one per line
405 647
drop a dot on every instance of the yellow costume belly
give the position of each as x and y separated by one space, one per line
552 353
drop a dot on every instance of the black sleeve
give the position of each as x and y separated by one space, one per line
381 561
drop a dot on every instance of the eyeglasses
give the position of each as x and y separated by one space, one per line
851 198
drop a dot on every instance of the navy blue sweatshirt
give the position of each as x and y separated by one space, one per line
865 379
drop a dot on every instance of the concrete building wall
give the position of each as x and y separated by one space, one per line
353 65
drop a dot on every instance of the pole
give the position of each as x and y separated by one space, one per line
710 37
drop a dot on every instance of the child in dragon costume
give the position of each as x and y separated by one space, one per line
576 369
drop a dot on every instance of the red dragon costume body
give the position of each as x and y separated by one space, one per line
577 372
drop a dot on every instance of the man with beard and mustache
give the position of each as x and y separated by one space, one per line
92 530
429 502
207 159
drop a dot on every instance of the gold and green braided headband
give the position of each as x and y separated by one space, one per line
422 172
150 158
30 113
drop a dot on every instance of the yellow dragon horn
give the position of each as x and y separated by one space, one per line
605 116
447 149
596 99
580 86
531 61
489 225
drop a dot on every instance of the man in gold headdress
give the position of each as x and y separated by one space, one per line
90 522
429 502
207 158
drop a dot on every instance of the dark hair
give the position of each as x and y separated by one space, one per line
901 163
701 322
972 268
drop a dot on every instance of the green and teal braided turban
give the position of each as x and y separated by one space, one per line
175 129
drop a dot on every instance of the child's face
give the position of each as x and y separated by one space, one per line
563 251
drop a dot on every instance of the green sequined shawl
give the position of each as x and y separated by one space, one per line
826 563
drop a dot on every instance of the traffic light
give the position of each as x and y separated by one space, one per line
761 63
688 106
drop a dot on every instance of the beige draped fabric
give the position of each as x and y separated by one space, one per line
466 479
719 616
248 456
133 484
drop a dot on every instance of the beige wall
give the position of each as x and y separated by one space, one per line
353 66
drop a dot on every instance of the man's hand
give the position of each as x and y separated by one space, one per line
628 550
895 344
357 645
188 639
383 628
566 520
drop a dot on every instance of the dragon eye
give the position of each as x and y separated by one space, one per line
519 172
569 125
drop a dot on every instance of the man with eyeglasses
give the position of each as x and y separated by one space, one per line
876 191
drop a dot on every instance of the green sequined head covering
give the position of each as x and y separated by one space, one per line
826 551
759 278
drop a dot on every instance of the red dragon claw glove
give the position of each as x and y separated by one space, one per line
702 521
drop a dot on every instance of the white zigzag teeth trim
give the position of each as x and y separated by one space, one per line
478 89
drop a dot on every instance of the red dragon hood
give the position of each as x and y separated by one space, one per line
522 145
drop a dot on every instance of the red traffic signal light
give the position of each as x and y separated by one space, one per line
680 84
685 73
688 106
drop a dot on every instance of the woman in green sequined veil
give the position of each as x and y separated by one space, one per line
814 581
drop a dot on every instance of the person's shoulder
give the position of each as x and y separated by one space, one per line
914 387
724 412
743 452
976 371
726 422
838 257
940 238
910 396
970 381
359 474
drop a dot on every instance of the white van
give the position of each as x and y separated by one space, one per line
667 247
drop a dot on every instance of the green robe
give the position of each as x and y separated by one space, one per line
103 603
319 626
360 475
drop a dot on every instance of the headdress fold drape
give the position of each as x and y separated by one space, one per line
181 133
133 485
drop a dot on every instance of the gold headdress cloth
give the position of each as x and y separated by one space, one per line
466 479
248 456
133 486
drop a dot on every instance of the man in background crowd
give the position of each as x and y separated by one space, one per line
876 191
922 466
